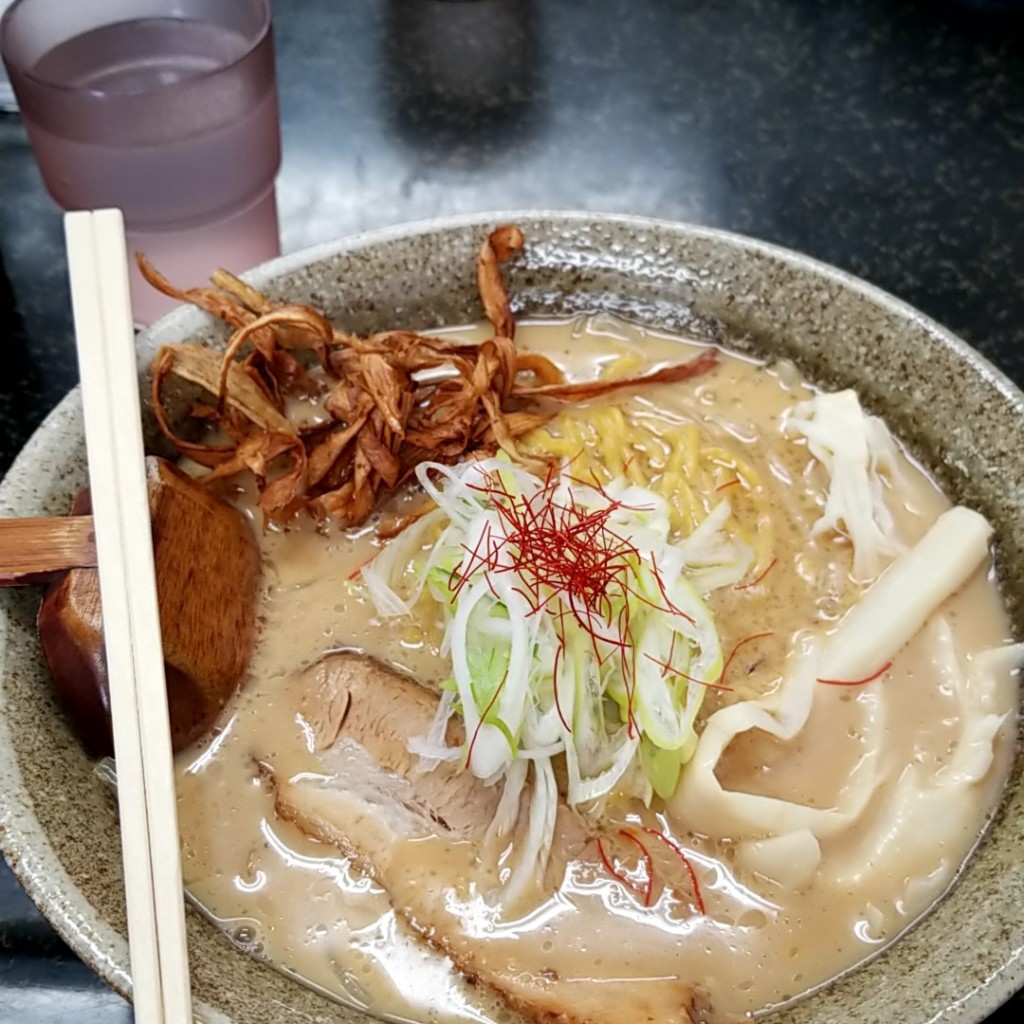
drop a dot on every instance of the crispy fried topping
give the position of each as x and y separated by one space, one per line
390 401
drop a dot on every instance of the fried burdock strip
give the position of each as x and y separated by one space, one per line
270 363
389 401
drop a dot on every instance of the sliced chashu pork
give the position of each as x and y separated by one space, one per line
363 793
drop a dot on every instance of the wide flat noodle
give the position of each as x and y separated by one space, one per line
929 805
857 451
707 806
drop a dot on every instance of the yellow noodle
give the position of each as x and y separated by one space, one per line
691 448
611 428
626 365
541 440
636 473
677 453
674 460
721 457
657 449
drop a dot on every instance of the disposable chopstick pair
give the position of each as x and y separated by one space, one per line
98 268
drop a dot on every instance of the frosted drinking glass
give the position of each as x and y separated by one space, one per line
166 109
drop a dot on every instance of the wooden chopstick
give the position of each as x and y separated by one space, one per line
98 267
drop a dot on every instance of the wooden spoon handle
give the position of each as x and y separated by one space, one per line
36 550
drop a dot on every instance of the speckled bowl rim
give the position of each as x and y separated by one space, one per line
26 846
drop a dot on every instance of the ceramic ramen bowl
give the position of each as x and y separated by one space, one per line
962 418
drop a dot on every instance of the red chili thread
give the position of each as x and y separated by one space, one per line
660 580
745 640
858 682
628 677
476 560
487 711
569 562
616 874
648 864
671 654
362 565
754 582
674 847
560 633
646 892
666 666
491 587
595 484
729 483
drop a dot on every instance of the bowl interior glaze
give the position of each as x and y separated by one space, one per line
961 417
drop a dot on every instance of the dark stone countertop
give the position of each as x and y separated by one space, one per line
883 136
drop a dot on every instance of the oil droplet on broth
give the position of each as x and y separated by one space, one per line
248 937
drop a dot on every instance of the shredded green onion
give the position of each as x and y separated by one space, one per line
574 624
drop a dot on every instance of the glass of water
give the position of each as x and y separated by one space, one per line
166 109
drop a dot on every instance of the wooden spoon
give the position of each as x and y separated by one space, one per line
208 577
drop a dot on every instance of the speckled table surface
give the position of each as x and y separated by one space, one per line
883 136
